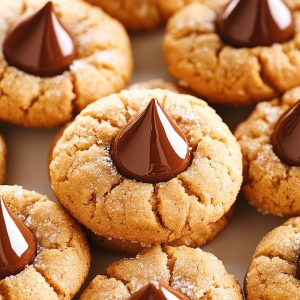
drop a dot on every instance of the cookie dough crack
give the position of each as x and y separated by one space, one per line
155 201
267 80
48 281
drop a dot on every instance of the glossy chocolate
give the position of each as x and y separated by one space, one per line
40 45
157 291
286 136
251 23
152 148
17 244
297 265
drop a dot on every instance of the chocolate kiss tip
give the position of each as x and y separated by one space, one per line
251 23
40 45
152 148
157 291
17 244
285 137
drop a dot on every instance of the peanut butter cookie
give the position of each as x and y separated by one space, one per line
120 196
219 56
274 272
271 183
158 84
83 54
44 254
185 272
139 15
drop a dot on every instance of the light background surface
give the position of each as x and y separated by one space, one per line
27 166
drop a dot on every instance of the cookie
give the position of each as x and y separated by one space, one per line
195 239
201 50
194 273
274 269
158 84
49 91
59 258
139 15
88 184
3 154
270 184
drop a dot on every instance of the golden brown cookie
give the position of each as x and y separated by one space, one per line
103 65
195 239
88 185
273 270
3 155
158 84
269 184
138 15
196 55
62 260
193 272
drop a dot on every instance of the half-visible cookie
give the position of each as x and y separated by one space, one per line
56 58
241 53
139 15
44 253
269 140
274 272
186 273
98 185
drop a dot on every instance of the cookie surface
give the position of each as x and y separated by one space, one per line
195 239
196 55
271 274
269 184
103 65
88 185
63 258
158 84
197 274
140 15
3 156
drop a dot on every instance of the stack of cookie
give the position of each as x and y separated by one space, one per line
150 171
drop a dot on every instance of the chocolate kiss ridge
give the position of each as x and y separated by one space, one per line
152 148
251 23
286 136
17 244
157 291
40 45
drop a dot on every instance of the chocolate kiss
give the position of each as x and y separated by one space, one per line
286 135
152 148
251 23
17 244
157 291
40 45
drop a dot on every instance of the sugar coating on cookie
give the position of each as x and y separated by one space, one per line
103 65
269 184
3 155
196 54
272 272
62 260
193 272
138 15
88 185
